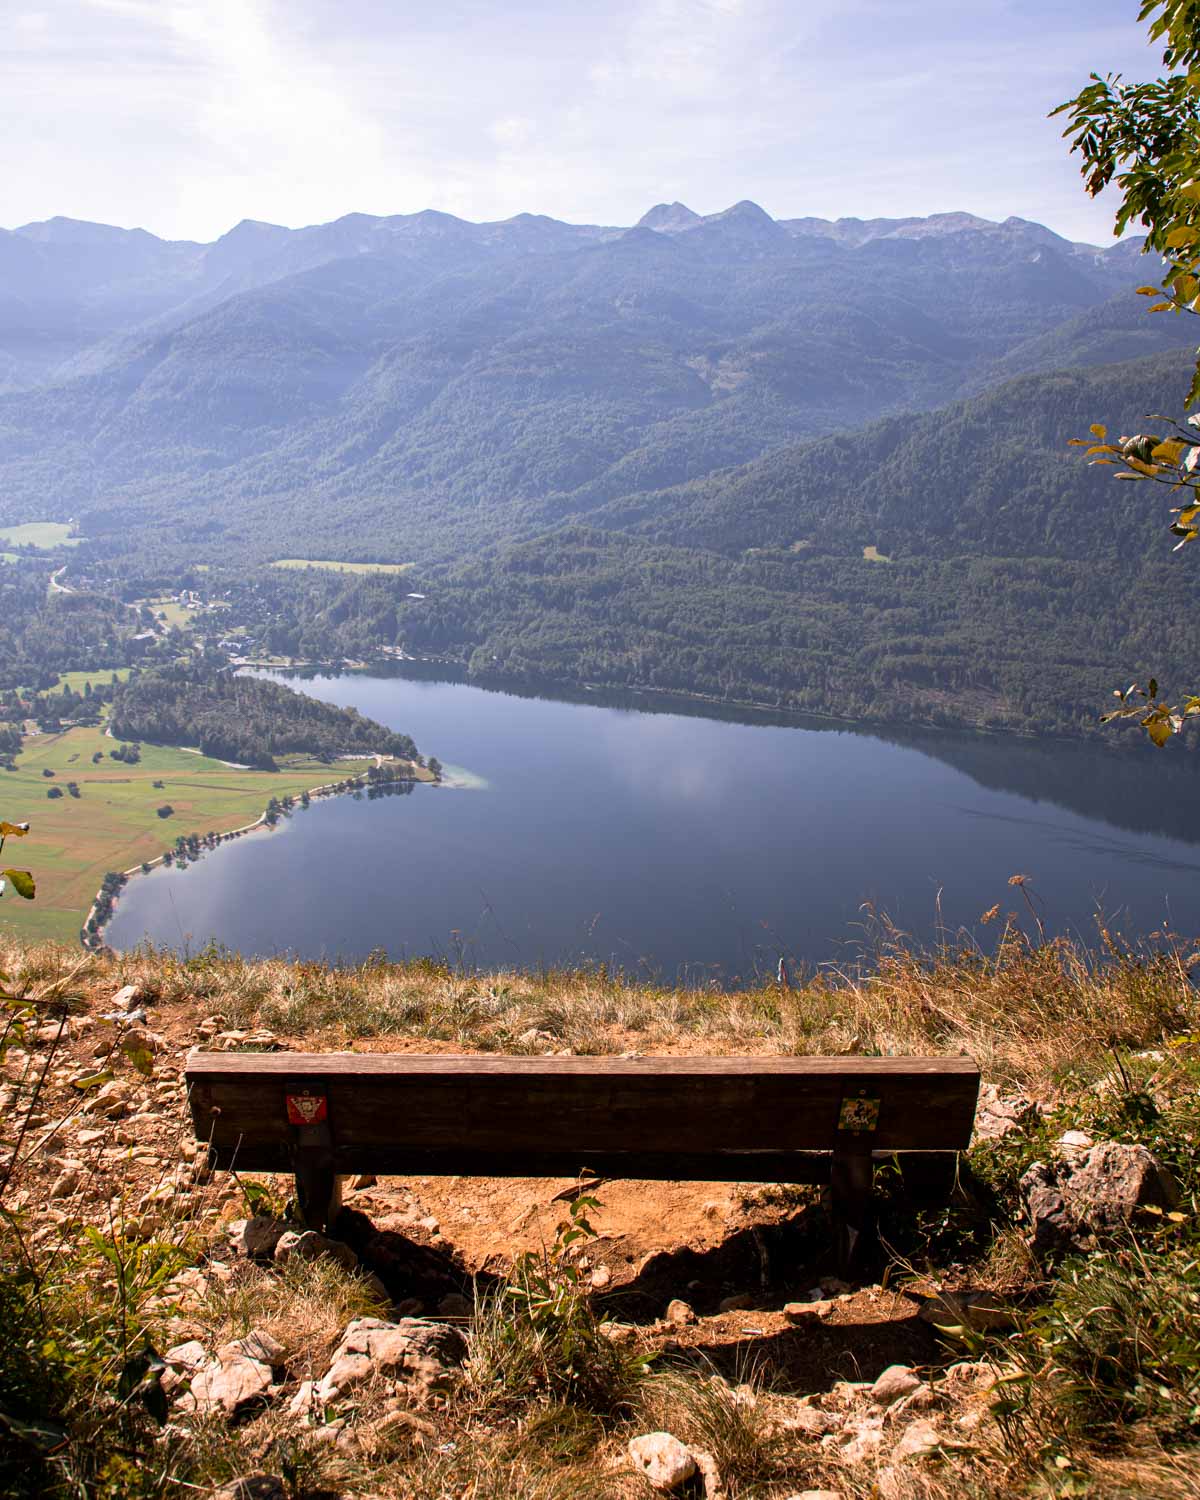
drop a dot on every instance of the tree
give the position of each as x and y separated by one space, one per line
435 767
1145 137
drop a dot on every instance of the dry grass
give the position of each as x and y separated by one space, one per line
1029 1013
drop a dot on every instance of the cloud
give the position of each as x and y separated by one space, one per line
186 115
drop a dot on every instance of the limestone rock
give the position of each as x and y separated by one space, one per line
862 1439
188 1357
807 1312
310 1245
997 1114
240 1375
127 998
65 1183
680 1312
919 1440
1088 1195
706 1467
422 1356
736 1303
662 1459
455 1305
260 1235
810 1421
363 1181
896 1382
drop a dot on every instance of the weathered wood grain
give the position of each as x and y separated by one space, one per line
385 1109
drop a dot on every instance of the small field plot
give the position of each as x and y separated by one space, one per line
873 554
113 824
77 681
341 567
45 535
171 611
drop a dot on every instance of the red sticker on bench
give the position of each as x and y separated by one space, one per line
306 1109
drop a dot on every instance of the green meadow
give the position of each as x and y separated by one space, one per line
77 681
45 535
341 567
114 824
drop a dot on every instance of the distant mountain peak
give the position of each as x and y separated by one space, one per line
746 210
669 218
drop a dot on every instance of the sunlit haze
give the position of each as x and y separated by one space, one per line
185 116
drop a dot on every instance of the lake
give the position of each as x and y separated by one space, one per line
684 847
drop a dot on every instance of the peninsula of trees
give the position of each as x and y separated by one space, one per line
244 719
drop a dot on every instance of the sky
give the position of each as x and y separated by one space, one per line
185 116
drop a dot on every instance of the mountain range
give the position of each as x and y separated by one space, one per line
415 385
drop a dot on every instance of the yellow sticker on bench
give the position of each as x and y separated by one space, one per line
859 1114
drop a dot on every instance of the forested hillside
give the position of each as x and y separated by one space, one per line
424 394
958 567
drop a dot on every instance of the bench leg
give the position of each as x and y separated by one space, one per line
851 1183
318 1187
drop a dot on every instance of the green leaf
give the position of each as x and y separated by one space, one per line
139 1055
1159 728
92 1081
1184 235
22 882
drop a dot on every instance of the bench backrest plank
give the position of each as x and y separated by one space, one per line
432 1111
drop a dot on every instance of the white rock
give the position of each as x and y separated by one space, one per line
260 1235
811 1421
312 1246
240 1374
65 1183
807 1312
680 1312
128 997
188 1357
420 1355
919 1440
303 1403
662 1459
862 1439
895 1382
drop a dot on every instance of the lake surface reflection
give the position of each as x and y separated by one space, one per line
679 846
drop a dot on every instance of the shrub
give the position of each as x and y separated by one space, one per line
537 1338
1123 1332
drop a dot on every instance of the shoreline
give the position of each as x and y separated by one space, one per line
92 941
788 717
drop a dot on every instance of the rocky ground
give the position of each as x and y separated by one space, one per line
367 1364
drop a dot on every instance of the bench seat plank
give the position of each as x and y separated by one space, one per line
419 1109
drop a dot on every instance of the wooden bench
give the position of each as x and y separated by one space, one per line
719 1119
